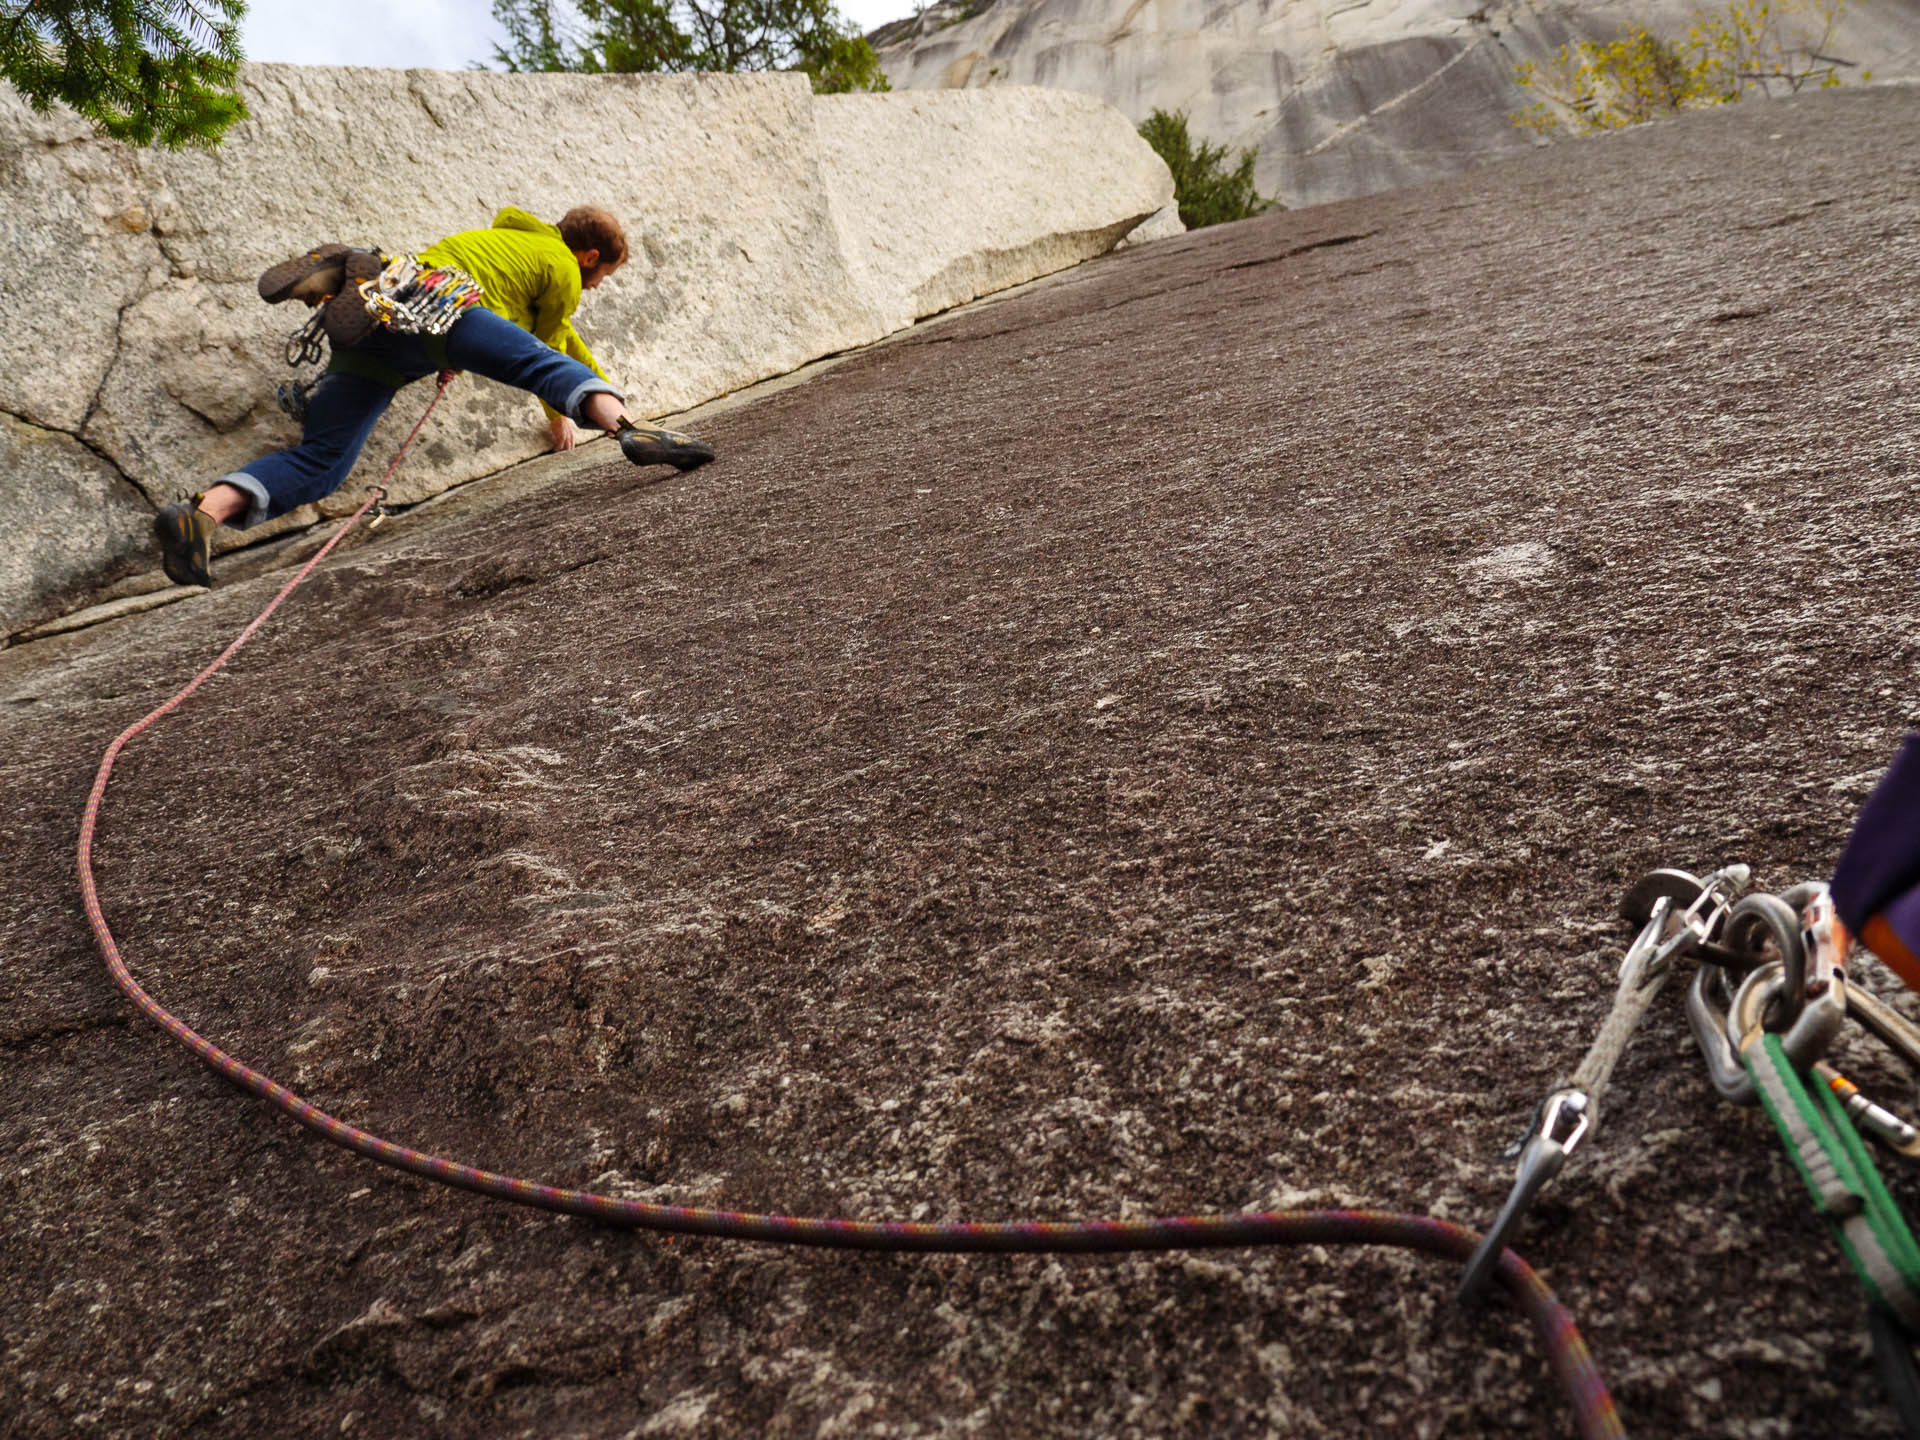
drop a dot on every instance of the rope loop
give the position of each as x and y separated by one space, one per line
1553 1326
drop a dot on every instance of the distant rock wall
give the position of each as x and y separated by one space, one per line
769 227
935 194
1340 98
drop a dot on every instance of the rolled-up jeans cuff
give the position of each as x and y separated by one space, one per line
586 388
256 494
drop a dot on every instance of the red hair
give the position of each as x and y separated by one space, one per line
587 227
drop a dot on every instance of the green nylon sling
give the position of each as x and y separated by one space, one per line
1847 1189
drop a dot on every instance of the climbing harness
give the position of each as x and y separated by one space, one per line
402 295
1766 1004
1554 1327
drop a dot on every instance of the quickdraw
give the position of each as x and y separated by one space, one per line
1764 1040
1571 1112
305 346
410 299
1847 1191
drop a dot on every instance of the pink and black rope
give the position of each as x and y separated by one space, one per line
1566 1350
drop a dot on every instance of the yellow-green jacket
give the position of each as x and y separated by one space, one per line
529 275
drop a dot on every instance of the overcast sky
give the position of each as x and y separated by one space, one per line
435 34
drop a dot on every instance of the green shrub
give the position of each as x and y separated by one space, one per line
146 71
1746 46
654 36
1205 191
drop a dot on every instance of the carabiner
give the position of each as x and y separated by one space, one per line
1540 1161
1709 1026
1652 904
1871 1119
1810 1035
1761 917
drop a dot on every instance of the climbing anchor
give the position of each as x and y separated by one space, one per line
1571 1112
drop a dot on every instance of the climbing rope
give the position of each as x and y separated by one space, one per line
1558 1335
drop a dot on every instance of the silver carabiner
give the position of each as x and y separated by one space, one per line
1546 1151
1709 1026
1761 917
1874 1120
1812 1031
1651 902
1647 941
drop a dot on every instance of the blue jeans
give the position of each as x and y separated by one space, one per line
344 406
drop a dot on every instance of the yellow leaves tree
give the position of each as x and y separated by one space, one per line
1769 47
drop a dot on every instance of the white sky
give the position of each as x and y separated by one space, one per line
433 34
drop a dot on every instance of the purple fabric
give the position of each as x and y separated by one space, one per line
1903 914
1880 868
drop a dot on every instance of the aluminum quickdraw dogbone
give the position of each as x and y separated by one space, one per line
1570 1113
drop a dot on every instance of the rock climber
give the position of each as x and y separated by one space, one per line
526 277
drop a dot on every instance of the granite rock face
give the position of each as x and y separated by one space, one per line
903 172
68 514
759 218
1340 98
1168 741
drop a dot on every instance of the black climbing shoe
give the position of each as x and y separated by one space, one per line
312 276
645 445
346 319
186 542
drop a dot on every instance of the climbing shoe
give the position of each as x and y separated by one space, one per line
645 445
310 277
186 542
347 320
